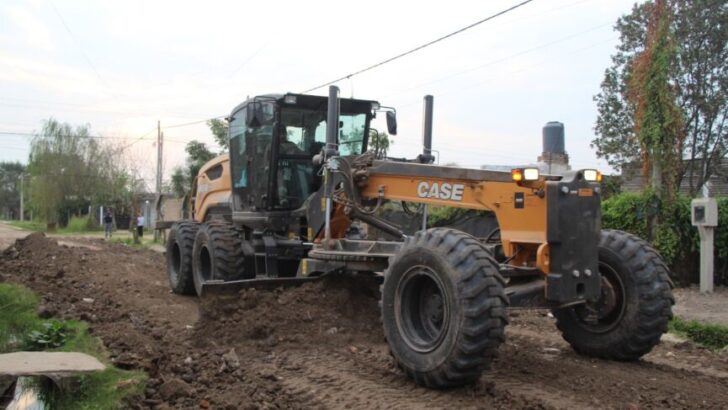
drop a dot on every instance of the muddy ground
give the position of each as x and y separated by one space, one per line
321 345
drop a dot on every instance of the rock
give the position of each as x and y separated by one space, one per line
188 360
175 388
551 350
353 349
88 300
204 404
231 359
86 317
45 312
268 375
11 253
332 331
157 333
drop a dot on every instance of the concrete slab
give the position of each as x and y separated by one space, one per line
48 364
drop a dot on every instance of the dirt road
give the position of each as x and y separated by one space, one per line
321 345
8 235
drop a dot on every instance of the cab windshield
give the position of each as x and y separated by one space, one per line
304 132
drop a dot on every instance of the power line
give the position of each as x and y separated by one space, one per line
78 43
525 68
31 134
509 57
192 123
437 40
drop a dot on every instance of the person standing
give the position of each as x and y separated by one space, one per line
140 225
108 224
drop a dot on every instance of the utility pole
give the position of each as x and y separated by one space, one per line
22 199
160 143
159 158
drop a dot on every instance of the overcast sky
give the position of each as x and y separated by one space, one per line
121 65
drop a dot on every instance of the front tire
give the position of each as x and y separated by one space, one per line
443 308
218 255
179 246
635 307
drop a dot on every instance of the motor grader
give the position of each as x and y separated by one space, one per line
279 210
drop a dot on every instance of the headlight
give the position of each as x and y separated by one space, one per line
524 174
592 175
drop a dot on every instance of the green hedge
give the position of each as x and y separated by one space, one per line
676 239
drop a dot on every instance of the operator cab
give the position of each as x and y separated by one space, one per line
273 139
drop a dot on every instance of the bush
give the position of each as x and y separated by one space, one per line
675 239
80 224
52 336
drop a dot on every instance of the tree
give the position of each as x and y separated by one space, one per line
59 167
182 177
698 75
10 174
219 130
658 122
69 171
379 142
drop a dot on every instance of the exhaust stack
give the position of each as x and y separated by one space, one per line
426 157
332 123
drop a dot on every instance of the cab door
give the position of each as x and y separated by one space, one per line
251 150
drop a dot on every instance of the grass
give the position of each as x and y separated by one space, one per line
144 242
101 390
77 224
17 317
707 335
29 225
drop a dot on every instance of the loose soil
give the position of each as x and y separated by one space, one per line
706 308
320 345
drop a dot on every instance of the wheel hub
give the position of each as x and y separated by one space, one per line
601 316
421 309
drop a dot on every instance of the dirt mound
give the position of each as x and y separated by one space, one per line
335 310
36 255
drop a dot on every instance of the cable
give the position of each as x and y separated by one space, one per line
500 60
124 148
437 40
193 122
30 134
78 43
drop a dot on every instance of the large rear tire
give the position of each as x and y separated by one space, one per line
218 255
180 241
443 308
635 306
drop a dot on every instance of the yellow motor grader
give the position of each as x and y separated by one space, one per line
279 209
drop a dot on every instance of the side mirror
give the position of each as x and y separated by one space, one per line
392 122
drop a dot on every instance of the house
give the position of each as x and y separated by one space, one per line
634 181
